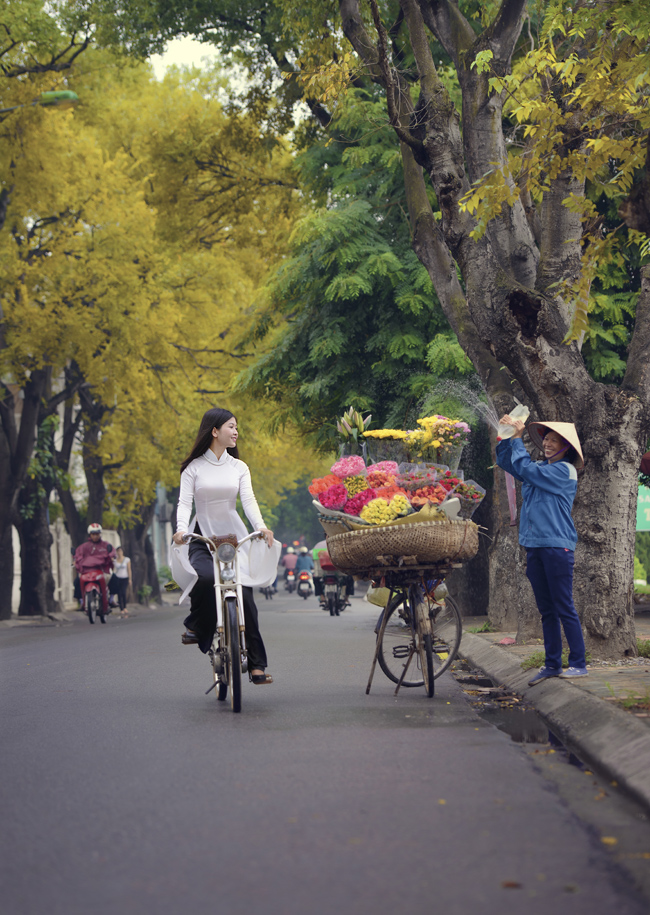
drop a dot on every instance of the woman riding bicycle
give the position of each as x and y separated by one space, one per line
212 476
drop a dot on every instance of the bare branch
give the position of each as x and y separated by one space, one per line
392 90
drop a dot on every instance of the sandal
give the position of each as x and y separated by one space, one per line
260 678
189 638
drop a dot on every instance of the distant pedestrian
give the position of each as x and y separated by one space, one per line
547 531
122 579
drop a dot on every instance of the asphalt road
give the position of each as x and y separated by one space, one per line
126 790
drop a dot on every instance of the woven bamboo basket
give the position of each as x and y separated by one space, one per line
427 542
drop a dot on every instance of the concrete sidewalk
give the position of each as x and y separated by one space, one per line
586 714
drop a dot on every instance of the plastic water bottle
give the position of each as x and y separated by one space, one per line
520 412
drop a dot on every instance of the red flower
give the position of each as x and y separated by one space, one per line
354 505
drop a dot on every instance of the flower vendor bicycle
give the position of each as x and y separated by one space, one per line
228 654
418 635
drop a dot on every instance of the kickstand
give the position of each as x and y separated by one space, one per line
211 688
406 667
384 620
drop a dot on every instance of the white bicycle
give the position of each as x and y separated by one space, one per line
228 653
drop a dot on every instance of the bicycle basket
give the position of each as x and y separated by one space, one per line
427 542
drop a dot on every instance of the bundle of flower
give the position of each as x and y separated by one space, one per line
415 479
320 484
334 497
439 437
435 494
440 432
381 511
450 481
355 485
471 495
387 467
350 466
354 505
379 478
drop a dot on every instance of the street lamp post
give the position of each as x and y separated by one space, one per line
63 98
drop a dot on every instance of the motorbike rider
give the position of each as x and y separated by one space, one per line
289 561
304 563
95 554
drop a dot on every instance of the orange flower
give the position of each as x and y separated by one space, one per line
320 484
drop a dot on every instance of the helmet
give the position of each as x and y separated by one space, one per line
290 549
94 528
303 549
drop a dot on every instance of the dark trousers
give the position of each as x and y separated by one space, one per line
202 618
120 588
550 572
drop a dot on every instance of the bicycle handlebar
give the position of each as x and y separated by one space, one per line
255 535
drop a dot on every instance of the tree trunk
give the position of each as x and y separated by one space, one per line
94 470
137 545
36 577
6 567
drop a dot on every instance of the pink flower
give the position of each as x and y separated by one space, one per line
335 497
350 466
354 505
385 466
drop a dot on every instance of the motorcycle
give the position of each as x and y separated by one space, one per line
290 580
91 595
305 584
334 596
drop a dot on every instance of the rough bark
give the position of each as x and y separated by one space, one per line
17 439
75 524
36 576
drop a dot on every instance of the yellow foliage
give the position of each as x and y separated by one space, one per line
139 228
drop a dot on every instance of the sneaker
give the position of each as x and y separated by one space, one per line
572 672
544 673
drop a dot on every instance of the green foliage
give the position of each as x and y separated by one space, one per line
485 627
295 516
43 469
643 647
642 552
144 593
640 573
349 317
446 357
164 574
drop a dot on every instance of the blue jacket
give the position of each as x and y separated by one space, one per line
305 563
548 492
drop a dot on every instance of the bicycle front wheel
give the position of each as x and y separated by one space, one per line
231 620
447 631
398 654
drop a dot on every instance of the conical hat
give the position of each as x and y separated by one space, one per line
537 431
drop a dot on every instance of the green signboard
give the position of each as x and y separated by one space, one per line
643 509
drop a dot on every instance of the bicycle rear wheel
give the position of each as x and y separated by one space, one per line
398 653
231 620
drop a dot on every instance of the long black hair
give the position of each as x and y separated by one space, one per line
212 419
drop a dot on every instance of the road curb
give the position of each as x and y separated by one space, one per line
607 738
